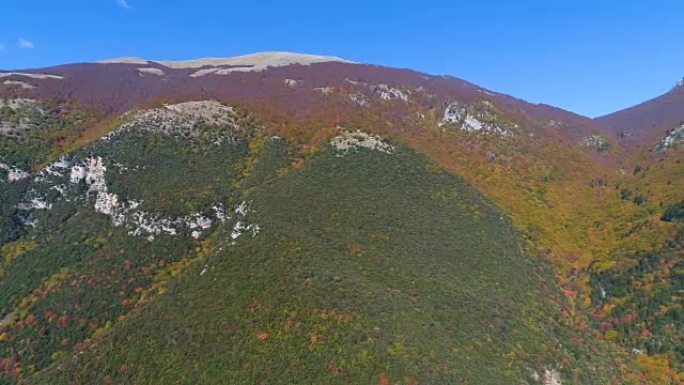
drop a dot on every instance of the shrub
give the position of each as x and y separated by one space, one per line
674 213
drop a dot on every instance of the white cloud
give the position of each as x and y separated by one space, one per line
123 4
25 44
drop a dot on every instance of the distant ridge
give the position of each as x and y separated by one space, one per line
649 121
255 62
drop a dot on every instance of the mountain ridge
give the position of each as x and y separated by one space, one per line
258 59
628 123
650 120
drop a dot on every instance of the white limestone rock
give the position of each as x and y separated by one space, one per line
359 98
18 83
454 113
552 377
597 142
25 113
387 93
673 140
30 75
14 174
181 119
325 90
151 71
292 83
349 140
472 120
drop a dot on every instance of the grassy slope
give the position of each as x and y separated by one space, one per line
369 267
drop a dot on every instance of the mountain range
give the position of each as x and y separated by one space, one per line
287 218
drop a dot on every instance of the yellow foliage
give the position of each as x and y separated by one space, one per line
15 249
48 286
546 192
656 369
612 335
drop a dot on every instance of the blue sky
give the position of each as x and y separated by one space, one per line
591 57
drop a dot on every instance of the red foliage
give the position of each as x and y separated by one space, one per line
63 321
383 380
48 315
333 369
578 341
31 320
89 85
598 314
13 372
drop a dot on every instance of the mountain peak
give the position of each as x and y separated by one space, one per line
680 83
254 62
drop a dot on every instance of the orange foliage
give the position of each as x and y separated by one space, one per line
263 336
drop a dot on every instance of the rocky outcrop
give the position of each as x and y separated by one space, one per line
151 71
552 377
73 178
188 120
20 114
472 120
598 142
350 140
84 180
387 93
14 174
673 140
